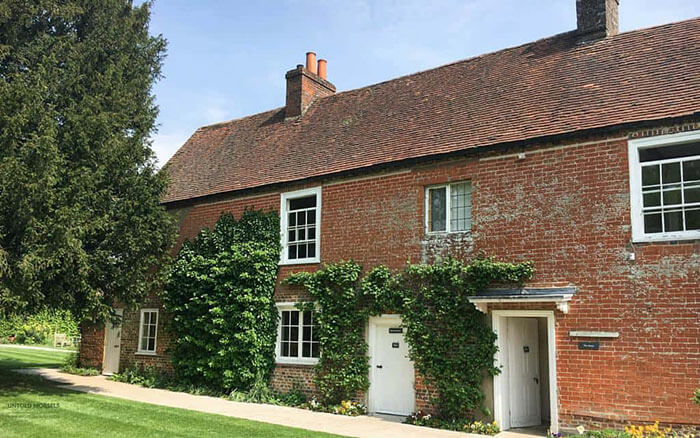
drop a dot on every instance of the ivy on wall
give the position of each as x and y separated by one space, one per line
340 314
220 295
449 341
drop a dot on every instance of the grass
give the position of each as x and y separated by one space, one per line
73 414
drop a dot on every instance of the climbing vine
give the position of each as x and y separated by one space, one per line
220 295
449 341
340 314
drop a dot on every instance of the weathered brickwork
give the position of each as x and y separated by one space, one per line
564 206
92 344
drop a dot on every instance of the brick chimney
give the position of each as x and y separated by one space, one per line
597 18
305 85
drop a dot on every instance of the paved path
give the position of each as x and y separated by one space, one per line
363 426
31 347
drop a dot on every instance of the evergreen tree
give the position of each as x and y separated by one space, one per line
81 225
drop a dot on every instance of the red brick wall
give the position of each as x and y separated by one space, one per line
92 343
565 207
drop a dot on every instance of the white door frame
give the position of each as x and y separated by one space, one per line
374 321
501 400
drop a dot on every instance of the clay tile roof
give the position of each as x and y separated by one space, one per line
549 87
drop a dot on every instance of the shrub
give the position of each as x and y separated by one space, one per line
220 295
148 376
70 366
38 328
345 407
420 418
696 397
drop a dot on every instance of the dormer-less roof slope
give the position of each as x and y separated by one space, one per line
550 87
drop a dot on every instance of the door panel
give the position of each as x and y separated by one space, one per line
112 347
392 386
523 371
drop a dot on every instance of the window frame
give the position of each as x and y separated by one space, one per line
155 336
284 198
448 207
278 345
636 195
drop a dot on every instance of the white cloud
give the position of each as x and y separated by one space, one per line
166 144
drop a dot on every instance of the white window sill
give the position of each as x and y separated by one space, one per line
443 233
146 353
300 261
296 361
667 237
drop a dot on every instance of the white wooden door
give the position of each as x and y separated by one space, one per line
392 376
524 372
113 337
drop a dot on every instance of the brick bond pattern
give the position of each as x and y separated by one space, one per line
566 207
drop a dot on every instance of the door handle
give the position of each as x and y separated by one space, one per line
379 366
537 380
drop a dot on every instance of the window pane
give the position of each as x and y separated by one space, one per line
301 218
438 209
311 217
301 203
652 199
302 234
666 152
306 334
314 350
293 333
460 207
292 252
306 349
144 343
307 318
151 344
671 173
652 223
692 194
294 317
285 317
292 219
292 236
672 197
691 170
294 350
312 233
692 219
311 250
152 331
650 175
301 252
285 349
673 221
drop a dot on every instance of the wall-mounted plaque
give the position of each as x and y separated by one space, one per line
395 330
589 345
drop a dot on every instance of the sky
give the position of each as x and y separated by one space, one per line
227 59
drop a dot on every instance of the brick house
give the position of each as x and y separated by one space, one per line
580 152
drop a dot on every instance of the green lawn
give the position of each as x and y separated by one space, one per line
86 415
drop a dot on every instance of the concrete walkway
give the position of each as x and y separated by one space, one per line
363 426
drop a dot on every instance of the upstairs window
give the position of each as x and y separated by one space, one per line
449 208
665 187
301 220
297 340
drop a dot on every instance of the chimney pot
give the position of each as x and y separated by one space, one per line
305 86
597 18
311 62
322 63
